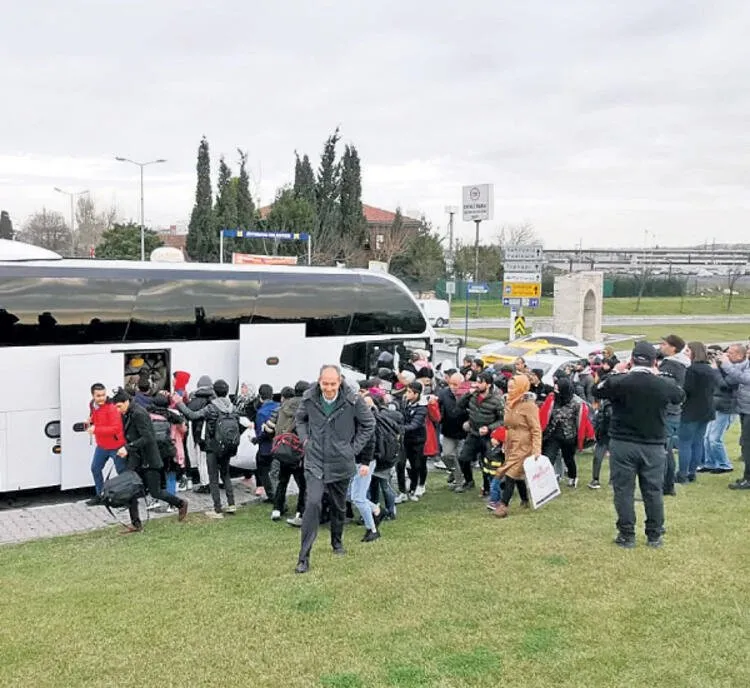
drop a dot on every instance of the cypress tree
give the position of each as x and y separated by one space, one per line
203 238
353 227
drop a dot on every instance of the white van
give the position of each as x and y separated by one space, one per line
437 311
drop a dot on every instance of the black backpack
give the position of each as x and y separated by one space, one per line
197 426
119 491
389 434
227 433
163 432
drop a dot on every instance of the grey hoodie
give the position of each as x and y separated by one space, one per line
739 374
209 413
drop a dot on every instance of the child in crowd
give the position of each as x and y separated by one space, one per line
494 459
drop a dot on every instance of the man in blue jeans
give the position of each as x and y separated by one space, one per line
105 426
725 400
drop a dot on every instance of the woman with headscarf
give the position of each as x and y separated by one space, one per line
561 433
523 438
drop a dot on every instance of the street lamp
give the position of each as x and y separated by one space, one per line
141 165
72 195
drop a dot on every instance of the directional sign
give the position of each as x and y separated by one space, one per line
532 277
281 236
522 265
521 289
531 252
478 202
512 302
478 289
519 326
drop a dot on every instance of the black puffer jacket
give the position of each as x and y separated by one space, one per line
415 417
489 412
333 441
701 381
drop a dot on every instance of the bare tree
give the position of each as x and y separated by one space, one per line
48 230
394 240
735 273
517 235
90 225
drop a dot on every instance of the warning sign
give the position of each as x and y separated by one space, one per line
519 326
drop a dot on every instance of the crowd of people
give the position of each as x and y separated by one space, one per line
366 446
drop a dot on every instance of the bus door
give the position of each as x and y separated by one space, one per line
77 373
281 354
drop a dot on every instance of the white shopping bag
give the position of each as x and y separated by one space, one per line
541 480
246 452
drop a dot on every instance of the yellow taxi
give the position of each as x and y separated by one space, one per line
508 353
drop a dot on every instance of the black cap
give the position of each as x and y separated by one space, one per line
644 354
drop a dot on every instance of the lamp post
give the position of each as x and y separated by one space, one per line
141 165
72 195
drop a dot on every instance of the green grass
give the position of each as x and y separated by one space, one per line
450 596
690 305
708 333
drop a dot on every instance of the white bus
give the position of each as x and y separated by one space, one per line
65 324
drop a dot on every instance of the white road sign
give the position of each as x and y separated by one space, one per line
478 202
522 276
531 253
522 266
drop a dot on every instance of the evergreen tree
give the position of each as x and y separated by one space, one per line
203 238
225 210
245 205
123 242
291 214
304 179
353 228
6 226
327 188
422 263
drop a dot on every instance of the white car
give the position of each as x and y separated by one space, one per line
579 346
551 365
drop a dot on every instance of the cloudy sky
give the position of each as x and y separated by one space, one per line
597 121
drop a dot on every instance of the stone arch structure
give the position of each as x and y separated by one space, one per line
578 304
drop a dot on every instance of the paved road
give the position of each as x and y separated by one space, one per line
615 320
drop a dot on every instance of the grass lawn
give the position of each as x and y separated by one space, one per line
708 333
690 305
450 596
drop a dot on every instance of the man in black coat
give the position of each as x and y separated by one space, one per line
142 454
335 425
638 434
452 425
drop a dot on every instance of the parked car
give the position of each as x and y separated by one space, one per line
511 351
551 365
581 347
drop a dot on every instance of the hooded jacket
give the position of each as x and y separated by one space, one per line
523 436
415 418
333 440
739 374
107 422
264 434
140 440
198 400
282 420
675 367
209 413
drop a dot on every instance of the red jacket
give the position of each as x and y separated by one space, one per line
431 445
585 426
107 422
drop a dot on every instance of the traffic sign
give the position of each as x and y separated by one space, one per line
532 277
478 202
281 236
521 289
529 252
513 303
519 326
450 288
531 303
522 265
478 288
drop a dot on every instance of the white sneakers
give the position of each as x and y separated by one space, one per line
214 514
230 509
421 489
296 521
401 498
275 515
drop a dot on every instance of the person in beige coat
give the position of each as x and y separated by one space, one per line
523 439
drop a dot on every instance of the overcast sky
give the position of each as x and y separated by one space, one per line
596 121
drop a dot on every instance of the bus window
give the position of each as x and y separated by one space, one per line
59 310
322 301
384 308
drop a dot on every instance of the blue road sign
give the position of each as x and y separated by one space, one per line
281 236
527 303
479 288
